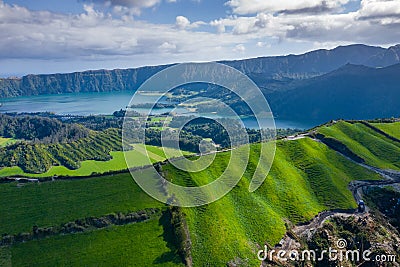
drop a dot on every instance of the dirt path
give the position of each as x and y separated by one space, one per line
357 187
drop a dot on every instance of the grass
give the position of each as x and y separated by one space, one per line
142 244
161 119
392 129
5 257
88 167
53 203
306 178
373 147
39 158
6 141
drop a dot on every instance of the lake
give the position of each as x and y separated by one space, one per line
106 103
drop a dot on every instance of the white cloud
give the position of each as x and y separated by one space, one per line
167 46
374 23
131 7
219 24
263 44
244 7
182 22
94 35
380 11
240 48
128 3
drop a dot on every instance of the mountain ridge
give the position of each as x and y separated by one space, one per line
263 70
350 92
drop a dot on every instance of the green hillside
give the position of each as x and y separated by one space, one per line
53 203
88 167
39 158
373 147
306 178
392 129
141 244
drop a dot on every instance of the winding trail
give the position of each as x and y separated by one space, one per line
357 187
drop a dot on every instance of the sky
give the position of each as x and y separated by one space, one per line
47 36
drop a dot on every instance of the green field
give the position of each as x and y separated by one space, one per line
6 141
392 129
53 203
141 244
373 147
88 167
306 178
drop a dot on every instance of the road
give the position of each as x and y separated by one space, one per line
357 187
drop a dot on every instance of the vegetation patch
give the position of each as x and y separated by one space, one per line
306 178
80 225
391 128
374 148
6 141
141 244
52 203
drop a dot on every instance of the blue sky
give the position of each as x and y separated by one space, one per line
47 36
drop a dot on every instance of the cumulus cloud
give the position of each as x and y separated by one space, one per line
167 46
95 35
263 44
245 7
288 20
98 35
127 3
182 22
131 7
240 48
219 24
380 11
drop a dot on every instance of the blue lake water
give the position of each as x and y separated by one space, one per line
107 103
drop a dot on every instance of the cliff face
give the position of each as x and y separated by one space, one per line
263 70
87 81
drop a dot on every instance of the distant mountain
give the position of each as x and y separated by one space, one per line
270 73
311 64
87 81
350 92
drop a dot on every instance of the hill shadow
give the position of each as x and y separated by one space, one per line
169 238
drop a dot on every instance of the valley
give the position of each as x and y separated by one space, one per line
306 89
307 178
191 133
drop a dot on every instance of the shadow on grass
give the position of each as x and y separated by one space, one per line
168 236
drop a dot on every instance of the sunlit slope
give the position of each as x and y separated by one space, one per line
140 244
88 167
392 128
376 149
307 177
53 203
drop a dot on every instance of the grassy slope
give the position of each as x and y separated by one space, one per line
374 148
142 244
305 179
53 203
6 141
90 166
392 129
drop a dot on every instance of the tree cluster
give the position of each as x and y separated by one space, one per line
40 129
